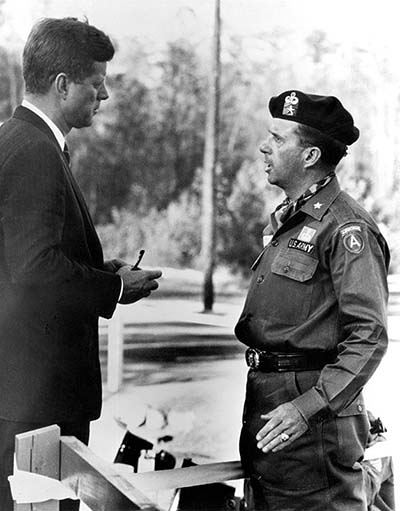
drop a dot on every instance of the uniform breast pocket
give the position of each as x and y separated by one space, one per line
291 284
299 269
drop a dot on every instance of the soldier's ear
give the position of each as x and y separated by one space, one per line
311 155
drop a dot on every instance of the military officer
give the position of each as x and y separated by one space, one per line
314 319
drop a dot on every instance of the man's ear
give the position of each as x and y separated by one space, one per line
311 156
61 85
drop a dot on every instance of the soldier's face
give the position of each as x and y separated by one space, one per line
283 154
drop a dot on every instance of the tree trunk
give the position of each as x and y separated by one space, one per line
209 171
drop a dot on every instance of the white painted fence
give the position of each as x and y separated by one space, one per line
185 311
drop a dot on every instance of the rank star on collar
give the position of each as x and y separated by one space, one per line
318 205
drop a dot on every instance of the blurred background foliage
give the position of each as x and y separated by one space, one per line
140 164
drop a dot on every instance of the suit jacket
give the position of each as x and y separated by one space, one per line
52 282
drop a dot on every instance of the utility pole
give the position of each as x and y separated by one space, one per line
210 163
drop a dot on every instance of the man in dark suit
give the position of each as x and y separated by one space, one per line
54 282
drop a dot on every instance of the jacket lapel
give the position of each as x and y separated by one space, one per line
94 245
93 239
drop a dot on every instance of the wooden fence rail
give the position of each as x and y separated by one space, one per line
101 485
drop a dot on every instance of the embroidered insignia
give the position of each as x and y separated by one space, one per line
301 245
353 242
306 234
318 205
350 228
291 105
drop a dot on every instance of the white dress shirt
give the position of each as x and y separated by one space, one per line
55 129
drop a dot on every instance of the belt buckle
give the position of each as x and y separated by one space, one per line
253 358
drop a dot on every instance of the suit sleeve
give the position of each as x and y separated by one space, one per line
358 260
33 228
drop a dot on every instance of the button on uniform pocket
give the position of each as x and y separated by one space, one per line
285 293
296 268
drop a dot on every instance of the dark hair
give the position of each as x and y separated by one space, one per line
64 45
332 151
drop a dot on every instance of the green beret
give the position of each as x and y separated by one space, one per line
323 113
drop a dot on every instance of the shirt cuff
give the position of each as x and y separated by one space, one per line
310 404
121 290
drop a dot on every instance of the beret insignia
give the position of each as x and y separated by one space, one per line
291 105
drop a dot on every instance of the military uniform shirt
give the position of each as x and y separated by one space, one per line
321 284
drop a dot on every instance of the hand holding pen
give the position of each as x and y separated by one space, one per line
136 265
137 283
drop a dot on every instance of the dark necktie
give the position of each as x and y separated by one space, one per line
66 154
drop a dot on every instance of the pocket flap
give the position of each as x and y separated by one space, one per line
357 407
293 268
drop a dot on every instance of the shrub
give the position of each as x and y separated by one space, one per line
171 237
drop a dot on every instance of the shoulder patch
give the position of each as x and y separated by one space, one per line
353 240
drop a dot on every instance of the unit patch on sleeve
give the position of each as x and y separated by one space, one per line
353 240
301 245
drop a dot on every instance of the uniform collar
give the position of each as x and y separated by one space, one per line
317 205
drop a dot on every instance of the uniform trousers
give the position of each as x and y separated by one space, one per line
321 469
8 430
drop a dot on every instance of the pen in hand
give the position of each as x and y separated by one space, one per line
136 265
